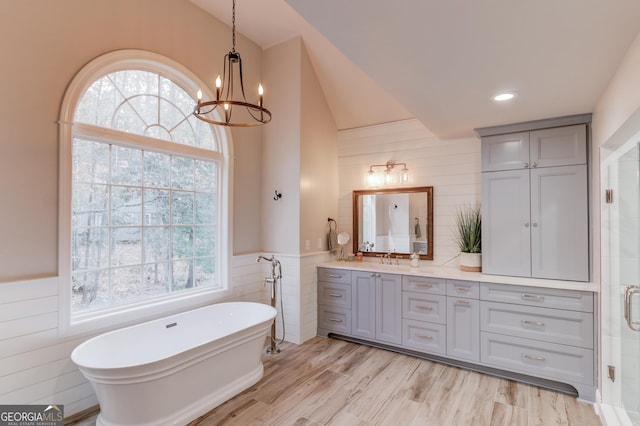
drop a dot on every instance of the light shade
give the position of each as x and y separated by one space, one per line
389 176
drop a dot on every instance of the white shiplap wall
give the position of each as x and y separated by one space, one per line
452 167
299 290
35 367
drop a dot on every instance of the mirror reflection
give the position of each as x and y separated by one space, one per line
396 221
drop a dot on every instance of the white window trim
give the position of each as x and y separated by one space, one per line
162 306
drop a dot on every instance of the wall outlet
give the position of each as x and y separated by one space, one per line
319 242
307 244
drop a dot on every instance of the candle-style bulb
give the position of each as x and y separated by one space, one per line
199 95
260 90
218 86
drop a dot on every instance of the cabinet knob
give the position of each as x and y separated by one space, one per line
526 165
526 223
534 165
534 224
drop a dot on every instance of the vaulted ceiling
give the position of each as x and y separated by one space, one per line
443 61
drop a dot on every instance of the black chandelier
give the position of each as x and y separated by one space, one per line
246 113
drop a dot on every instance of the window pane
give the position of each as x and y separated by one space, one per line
182 275
127 120
126 246
182 173
182 242
156 244
146 107
126 206
89 248
205 208
182 208
205 241
90 205
126 285
205 272
135 82
90 161
156 169
206 176
156 207
98 103
157 279
90 290
126 166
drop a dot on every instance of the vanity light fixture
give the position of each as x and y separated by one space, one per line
387 176
248 114
507 96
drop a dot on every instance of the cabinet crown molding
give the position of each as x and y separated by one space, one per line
568 120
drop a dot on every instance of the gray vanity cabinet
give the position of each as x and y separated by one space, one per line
376 306
424 314
535 204
463 317
530 333
334 301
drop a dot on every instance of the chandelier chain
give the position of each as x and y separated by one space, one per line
233 29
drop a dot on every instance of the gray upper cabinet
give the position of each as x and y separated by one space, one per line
561 146
535 204
505 152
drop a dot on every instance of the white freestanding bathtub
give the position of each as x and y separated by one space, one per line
172 370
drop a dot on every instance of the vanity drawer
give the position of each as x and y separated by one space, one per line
424 284
334 319
540 359
459 288
424 307
334 275
424 336
536 296
550 325
334 295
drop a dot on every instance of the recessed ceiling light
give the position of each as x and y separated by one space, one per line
504 96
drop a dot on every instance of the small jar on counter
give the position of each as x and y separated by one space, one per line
359 256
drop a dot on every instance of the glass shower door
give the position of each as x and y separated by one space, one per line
623 205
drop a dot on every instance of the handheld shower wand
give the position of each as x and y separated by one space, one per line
276 275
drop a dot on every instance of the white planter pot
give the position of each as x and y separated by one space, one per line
471 262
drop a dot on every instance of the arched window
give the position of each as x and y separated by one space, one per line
144 191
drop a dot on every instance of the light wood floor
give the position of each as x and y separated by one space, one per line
332 382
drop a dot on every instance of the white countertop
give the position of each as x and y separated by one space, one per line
451 272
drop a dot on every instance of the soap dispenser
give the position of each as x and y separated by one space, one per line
414 261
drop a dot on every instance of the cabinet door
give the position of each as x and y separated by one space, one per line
389 308
363 302
463 328
506 246
505 152
560 146
559 223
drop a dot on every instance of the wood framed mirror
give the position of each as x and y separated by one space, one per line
397 221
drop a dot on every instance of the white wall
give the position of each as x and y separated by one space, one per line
452 167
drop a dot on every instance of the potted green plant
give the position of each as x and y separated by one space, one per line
469 238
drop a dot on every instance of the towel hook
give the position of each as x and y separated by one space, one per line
277 196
